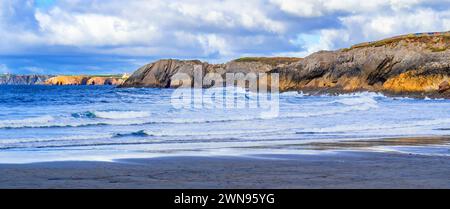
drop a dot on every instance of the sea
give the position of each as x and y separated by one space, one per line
106 123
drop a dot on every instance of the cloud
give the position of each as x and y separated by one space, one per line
360 28
316 8
63 28
40 31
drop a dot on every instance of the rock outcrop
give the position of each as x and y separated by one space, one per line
159 74
417 64
9 79
104 81
411 64
84 80
67 80
444 86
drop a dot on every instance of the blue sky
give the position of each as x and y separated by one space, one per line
44 3
115 36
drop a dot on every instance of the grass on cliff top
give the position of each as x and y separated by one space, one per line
108 76
269 60
102 76
425 37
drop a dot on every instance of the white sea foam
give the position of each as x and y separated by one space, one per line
293 93
4 142
64 122
358 101
33 121
121 114
227 133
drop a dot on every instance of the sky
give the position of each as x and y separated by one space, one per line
116 36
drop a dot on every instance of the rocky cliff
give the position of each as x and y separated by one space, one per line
10 79
159 74
416 64
84 80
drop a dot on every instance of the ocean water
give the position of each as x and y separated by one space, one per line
59 123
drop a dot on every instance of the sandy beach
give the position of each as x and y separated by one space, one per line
340 170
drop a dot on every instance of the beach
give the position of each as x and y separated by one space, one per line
105 137
341 170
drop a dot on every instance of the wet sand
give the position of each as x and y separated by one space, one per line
337 170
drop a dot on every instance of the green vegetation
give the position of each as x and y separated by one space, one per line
440 49
102 76
108 76
423 37
269 60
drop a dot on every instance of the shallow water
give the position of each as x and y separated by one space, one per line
53 123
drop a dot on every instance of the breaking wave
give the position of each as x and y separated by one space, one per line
34 121
112 114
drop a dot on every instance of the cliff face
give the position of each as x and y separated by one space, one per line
413 64
159 74
407 65
23 79
83 80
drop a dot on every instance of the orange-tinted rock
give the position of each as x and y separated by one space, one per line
444 86
104 81
83 80
67 80
410 82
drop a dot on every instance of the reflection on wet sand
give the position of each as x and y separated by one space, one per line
390 142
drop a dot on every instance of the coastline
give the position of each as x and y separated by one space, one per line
349 165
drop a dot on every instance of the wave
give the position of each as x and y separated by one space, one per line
358 101
73 124
227 133
135 118
352 102
84 115
59 139
121 114
34 121
112 114
294 94
359 94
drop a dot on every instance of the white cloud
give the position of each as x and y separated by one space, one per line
217 29
89 29
374 20
316 8
386 25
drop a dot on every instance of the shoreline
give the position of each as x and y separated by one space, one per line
306 91
356 169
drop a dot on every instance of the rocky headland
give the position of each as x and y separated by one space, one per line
413 65
9 79
85 80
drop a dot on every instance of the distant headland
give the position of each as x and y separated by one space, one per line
10 79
